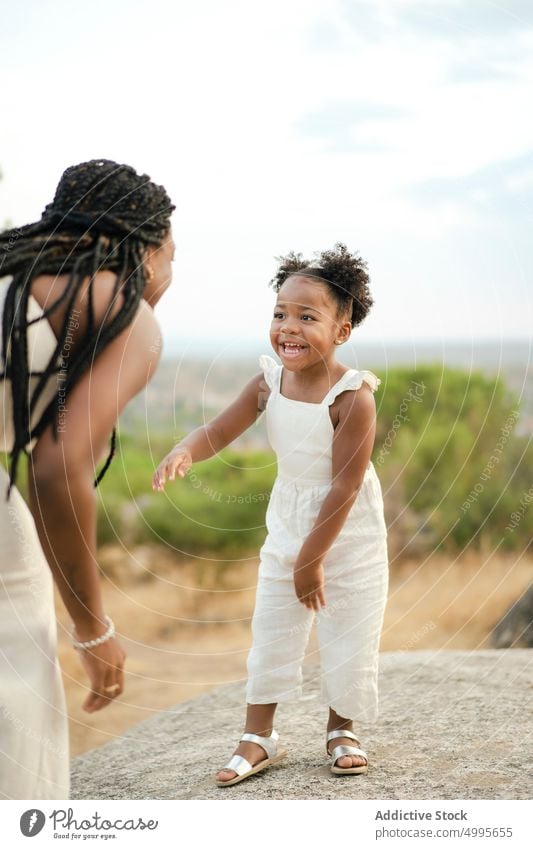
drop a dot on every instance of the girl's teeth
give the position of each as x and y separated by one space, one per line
292 348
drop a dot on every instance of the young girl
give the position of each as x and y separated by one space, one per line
325 555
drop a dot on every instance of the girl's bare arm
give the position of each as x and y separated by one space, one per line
206 441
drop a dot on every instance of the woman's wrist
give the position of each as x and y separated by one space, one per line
89 627
83 641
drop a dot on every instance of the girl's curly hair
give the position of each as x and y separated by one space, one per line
344 273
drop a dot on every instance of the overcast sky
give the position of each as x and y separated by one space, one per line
403 128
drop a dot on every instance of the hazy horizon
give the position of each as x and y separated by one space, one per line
516 350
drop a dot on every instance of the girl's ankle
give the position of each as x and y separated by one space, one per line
264 733
340 726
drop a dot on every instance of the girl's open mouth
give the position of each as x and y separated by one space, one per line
291 349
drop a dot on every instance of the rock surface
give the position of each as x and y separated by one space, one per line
453 725
516 627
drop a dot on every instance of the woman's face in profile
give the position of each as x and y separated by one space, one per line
159 259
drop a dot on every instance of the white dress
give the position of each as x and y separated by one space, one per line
355 567
34 750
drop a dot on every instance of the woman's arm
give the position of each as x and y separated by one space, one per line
353 441
206 441
61 476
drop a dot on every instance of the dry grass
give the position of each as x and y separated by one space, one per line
182 640
452 604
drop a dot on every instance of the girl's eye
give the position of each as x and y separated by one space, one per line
310 317
278 315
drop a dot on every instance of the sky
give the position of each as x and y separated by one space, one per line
402 128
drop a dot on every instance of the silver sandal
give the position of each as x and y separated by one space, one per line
340 751
244 768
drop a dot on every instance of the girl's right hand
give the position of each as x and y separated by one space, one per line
178 460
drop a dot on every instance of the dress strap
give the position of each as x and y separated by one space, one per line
352 379
271 370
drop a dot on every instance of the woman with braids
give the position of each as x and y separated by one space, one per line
325 554
78 341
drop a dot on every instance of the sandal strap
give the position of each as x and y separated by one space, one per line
239 765
339 732
269 744
341 751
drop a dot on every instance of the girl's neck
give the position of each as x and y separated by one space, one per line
314 382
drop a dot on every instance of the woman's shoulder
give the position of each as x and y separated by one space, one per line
141 341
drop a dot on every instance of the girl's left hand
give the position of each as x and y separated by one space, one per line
179 461
309 585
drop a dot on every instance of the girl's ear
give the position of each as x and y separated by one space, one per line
344 331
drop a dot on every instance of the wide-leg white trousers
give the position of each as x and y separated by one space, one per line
348 629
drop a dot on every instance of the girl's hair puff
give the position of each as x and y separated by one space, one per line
344 273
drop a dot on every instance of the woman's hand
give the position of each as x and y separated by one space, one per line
104 666
179 461
309 584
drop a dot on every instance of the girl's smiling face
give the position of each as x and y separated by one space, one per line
306 325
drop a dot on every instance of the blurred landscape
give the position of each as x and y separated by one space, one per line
454 456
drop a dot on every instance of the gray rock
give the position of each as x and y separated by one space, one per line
452 726
516 627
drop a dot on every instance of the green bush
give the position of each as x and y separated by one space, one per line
217 509
455 455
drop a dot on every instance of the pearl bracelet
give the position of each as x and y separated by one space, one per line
91 644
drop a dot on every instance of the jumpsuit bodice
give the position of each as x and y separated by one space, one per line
301 433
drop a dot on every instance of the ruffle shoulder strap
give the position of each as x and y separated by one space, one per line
353 380
270 369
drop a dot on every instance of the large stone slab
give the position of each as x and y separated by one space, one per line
453 725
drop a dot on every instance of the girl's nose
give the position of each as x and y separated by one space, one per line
289 326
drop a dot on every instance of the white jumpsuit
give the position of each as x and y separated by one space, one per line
34 748
355 567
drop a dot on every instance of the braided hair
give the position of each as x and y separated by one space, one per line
103 216
344 273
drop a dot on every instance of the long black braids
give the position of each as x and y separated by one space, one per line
102 217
